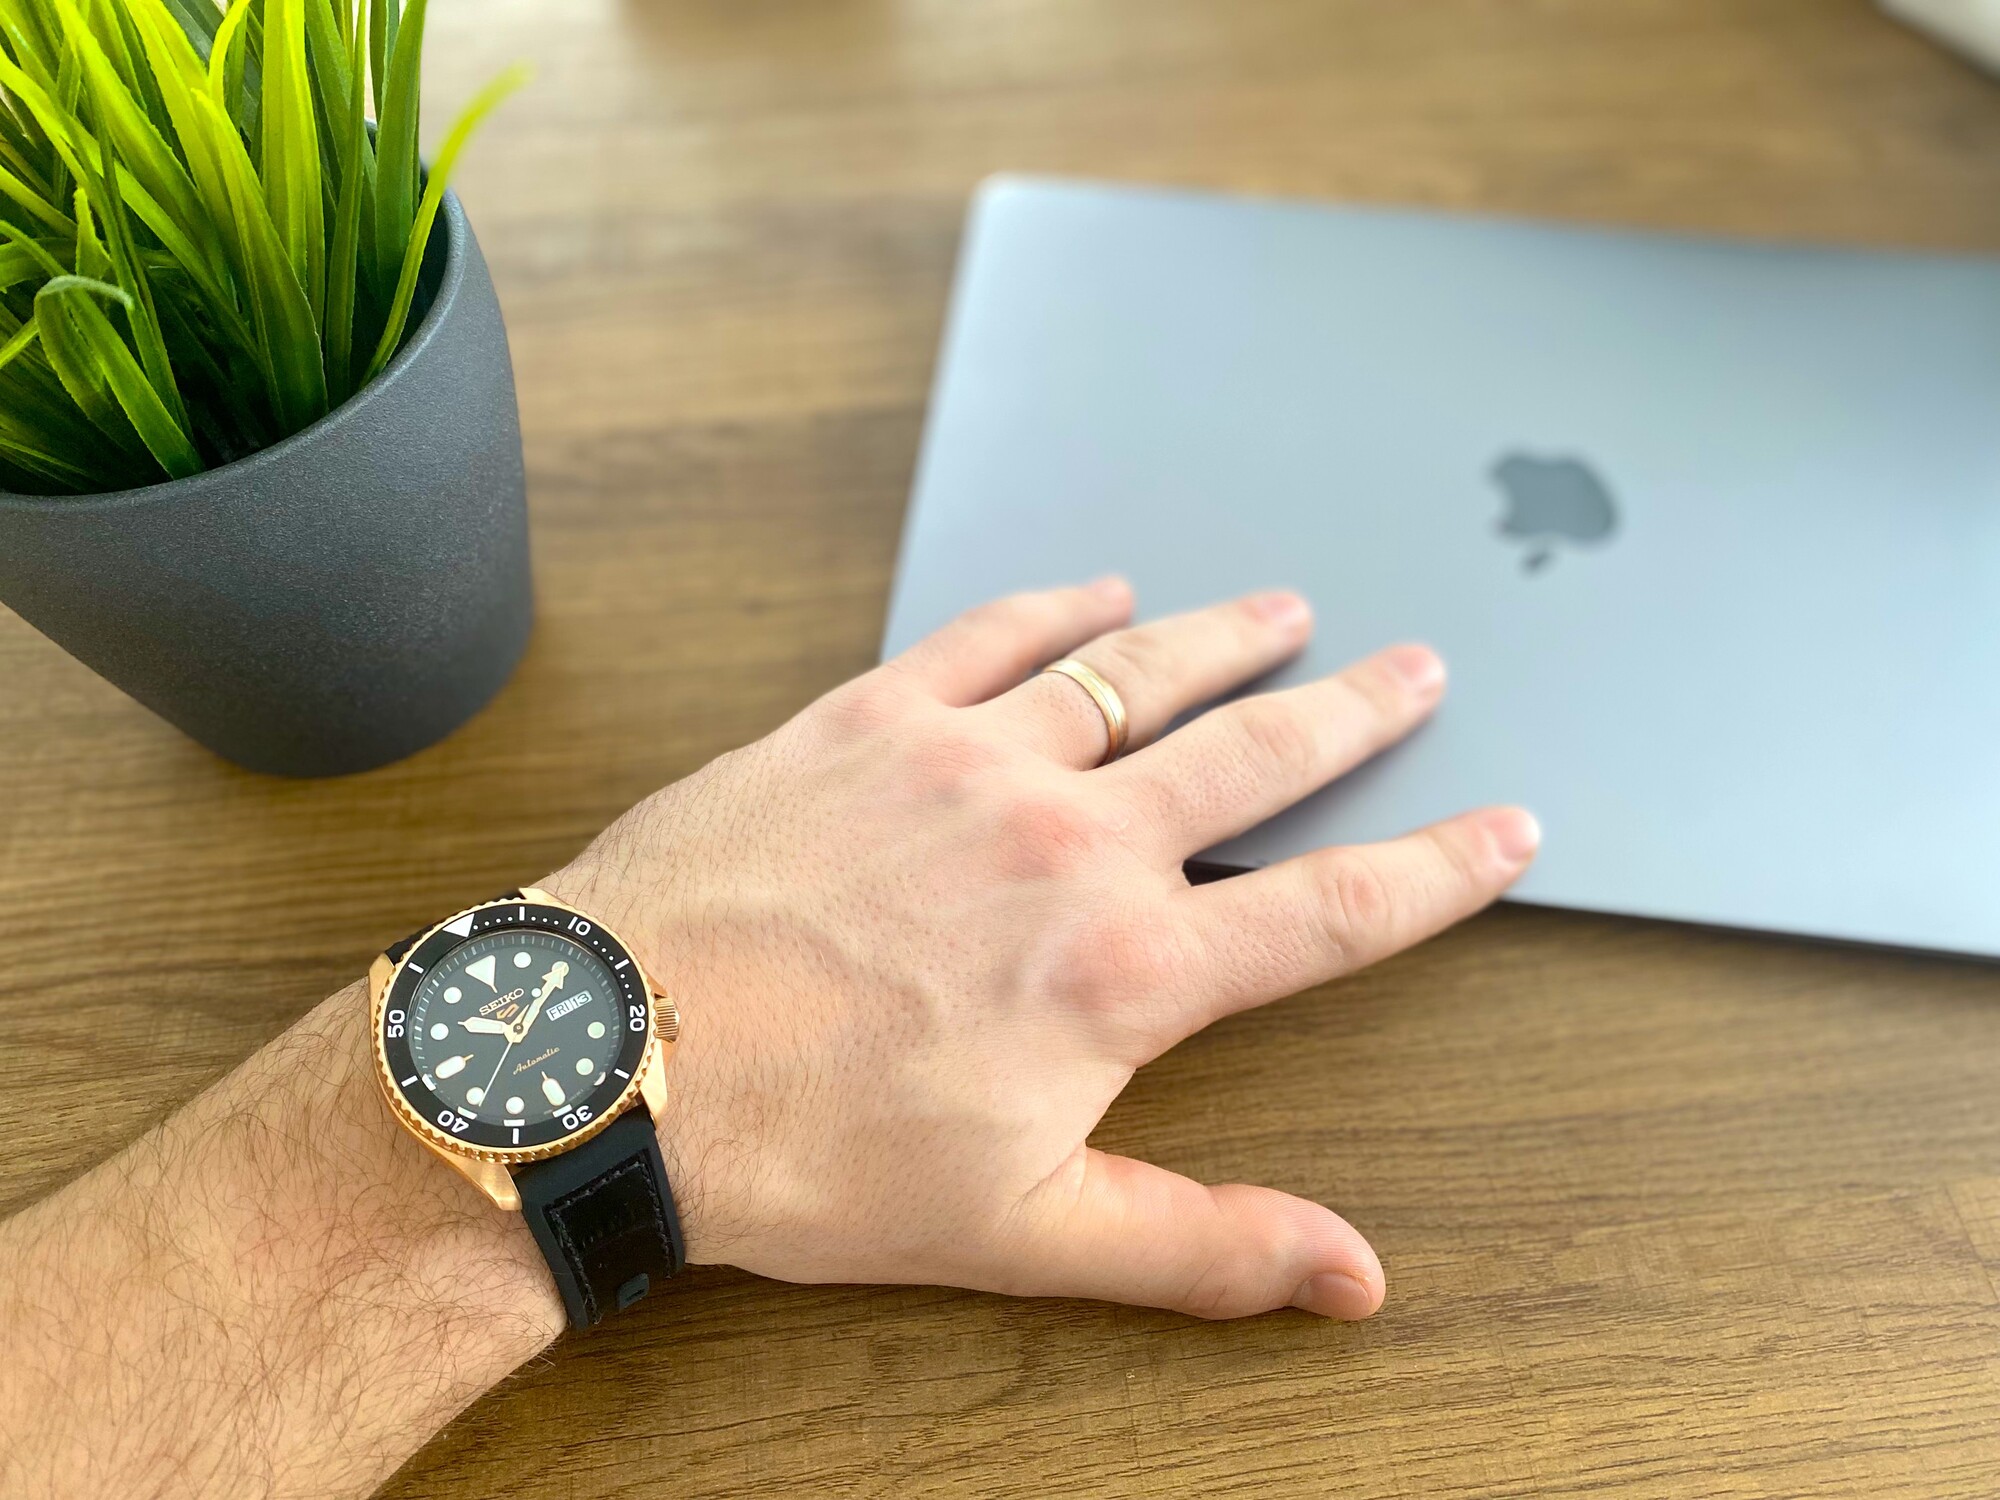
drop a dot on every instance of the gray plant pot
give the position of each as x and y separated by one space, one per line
335 602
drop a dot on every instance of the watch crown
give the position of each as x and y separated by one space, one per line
667 1025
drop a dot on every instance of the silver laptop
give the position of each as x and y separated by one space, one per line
1708 531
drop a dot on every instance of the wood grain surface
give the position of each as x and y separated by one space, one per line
1666 1212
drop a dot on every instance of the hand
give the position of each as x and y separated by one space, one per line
920 943
485 1026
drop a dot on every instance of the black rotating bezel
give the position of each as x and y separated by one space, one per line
443 1122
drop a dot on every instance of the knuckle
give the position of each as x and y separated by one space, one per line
1461 858
1231 1284
1042 835
1354 900
1247 623
1120 959
1130 659
1369 692
866 708
1212 1292
1280 738
950 764
1008 614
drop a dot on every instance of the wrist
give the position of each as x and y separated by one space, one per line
438 1243
612 892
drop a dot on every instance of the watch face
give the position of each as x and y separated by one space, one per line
516 1026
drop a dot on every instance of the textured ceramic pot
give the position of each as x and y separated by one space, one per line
335 602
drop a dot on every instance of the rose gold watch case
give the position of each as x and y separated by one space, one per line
489 1168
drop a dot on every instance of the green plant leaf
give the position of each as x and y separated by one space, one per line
198 20
45 472
18 344
344 265
25 244
247 103
30 43
287 334
292 181
38 208
78 150
130 273
222 46
92 259
37 410
482 105
19 153
235 81
381 28
18 266
101 375
139 145
396 169
120 40
326 55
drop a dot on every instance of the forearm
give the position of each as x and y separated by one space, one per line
277 1292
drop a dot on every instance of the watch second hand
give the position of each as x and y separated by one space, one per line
496 1070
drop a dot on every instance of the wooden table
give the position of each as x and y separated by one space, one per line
1665 1212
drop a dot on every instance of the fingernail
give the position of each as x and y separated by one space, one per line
1335 1294
1287 611
1112 589
1515 833
1419 666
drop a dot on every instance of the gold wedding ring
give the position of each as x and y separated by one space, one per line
1105 696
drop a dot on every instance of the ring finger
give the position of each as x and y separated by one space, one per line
1159 671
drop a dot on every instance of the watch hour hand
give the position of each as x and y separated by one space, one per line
486 1026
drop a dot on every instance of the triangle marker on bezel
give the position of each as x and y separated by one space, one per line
462 927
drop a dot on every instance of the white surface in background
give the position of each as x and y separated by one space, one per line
1972 26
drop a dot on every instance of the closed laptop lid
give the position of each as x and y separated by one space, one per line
1708 531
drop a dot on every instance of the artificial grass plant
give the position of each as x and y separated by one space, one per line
203 246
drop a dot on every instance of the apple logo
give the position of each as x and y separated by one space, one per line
1552 502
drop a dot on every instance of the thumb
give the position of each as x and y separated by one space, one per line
1127 1231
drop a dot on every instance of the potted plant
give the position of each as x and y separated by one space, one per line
260 460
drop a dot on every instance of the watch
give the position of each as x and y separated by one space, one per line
521 1041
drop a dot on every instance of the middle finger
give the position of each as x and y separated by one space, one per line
1239 764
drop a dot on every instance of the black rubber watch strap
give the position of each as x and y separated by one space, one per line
605 1218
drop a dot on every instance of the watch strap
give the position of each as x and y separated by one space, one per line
604 1217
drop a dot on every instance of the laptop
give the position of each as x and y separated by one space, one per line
1707 530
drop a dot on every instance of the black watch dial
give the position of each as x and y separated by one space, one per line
525 1029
